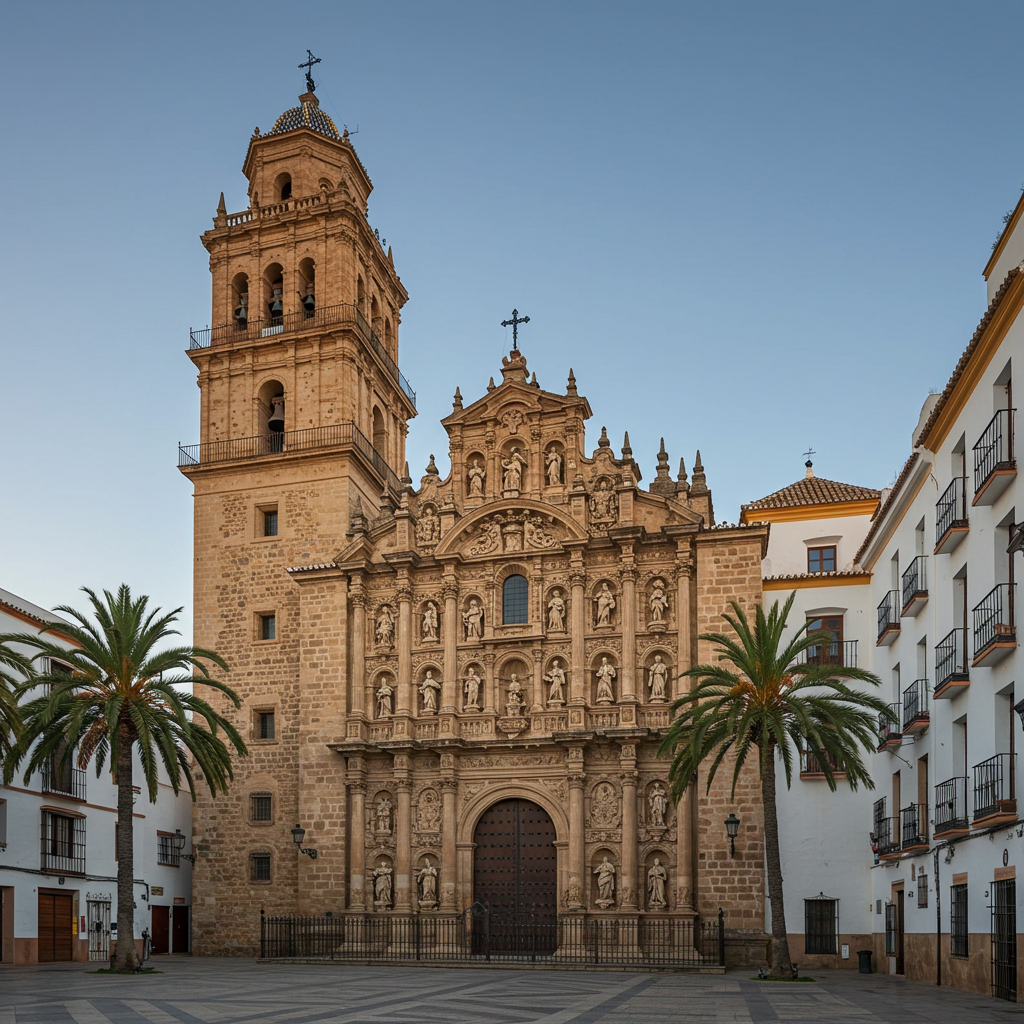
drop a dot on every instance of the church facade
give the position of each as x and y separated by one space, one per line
458 689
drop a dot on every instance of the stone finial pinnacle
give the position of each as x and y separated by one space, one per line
432 467
810 470
603 441
221 208
490 384
406 477
682 470
627 451
533 380
571 388
457 400
700 483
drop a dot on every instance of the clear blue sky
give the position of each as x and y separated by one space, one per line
749 227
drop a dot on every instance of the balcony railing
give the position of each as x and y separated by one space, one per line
915 707
951 515
890 732
337 435
838 652
65 780
914 587
995 633
914 826
62 844
994 798
889 616
951 807
994 451
255 328
811 765
885 843
951 662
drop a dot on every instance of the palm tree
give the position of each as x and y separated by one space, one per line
15 668
123 693
764 699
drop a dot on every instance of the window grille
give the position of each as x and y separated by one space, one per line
167 850
820 926
922 890
62 843
259 867
958 920
270 523
514 603
261 808
268 627
890 929
266 725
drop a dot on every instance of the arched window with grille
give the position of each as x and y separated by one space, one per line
514 603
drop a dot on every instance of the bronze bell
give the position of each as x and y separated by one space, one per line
276 421
276 308
309 304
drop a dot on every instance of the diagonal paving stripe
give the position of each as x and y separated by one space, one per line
151 1012
83 1012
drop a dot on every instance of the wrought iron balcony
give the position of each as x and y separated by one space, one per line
64 779
914 828
951 524
995 631
994 463
839 652
256 329
888 618
884 834
811 767
890 732
994 798
951 674
337 435
951 808
62 844
914 587
915 708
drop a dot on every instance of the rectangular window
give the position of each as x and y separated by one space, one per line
821 559
270 522
922 890
268 627
266 725
820 926
958 920
259 867
261 807
832 653
167 849
63 843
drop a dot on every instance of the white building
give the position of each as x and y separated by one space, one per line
58 891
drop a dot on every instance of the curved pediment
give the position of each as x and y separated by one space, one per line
517 526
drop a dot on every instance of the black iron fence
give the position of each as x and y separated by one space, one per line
994 449
480 935
951 508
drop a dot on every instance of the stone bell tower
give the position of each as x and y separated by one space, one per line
303 422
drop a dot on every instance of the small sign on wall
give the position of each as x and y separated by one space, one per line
157 890
179 901
845 951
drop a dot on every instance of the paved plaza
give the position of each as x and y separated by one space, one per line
222 991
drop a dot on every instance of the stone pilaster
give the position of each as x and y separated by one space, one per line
627 762
406 700
403 834
578 678
357 670
576 893
684 852
357 833
451 684
627 671
449 866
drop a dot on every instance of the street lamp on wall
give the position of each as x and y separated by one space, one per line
180 841
1019 708
298 834
732 828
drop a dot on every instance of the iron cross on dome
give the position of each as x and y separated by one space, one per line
308 65
514 324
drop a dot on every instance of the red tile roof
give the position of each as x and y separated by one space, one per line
812 490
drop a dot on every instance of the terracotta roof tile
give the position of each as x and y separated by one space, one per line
812 490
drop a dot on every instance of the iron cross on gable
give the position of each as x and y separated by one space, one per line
308 65
514 324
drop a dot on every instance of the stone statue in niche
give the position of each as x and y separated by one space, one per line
604 504
471 686
477 477
657 803
514 703
512 471
658 601
555 679
382 884
384 628
429 624
605 679
382 812
658 680
473 620
428 691
556 613
553 462
384 695
426 880
428 528
605 602
657 878
605 872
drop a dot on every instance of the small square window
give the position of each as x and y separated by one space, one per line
270 522
268 627
261 807
265 725
259 867
922 890
821 559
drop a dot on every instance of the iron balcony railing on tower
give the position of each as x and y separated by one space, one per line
995 631
256 329
888 618
994 462
951 808
951 523
914 586
951 674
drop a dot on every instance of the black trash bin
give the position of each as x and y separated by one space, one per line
864 961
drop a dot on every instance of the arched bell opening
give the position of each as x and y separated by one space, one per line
380 432
283 186
272 416
240 301
307 287
273 292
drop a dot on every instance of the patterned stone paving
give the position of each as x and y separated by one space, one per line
222 991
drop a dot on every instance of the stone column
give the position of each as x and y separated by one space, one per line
684 851
684 578
627 677
578 676
450 684
576 895
449 791
491 696
403 835
539 696
357 839
357 668
629 837
405 700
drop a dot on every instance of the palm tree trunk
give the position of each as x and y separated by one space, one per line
125 957
781 964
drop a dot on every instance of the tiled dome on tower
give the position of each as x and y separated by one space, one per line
307 115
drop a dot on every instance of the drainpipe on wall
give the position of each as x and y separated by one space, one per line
938 920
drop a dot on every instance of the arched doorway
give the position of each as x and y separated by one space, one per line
515 876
